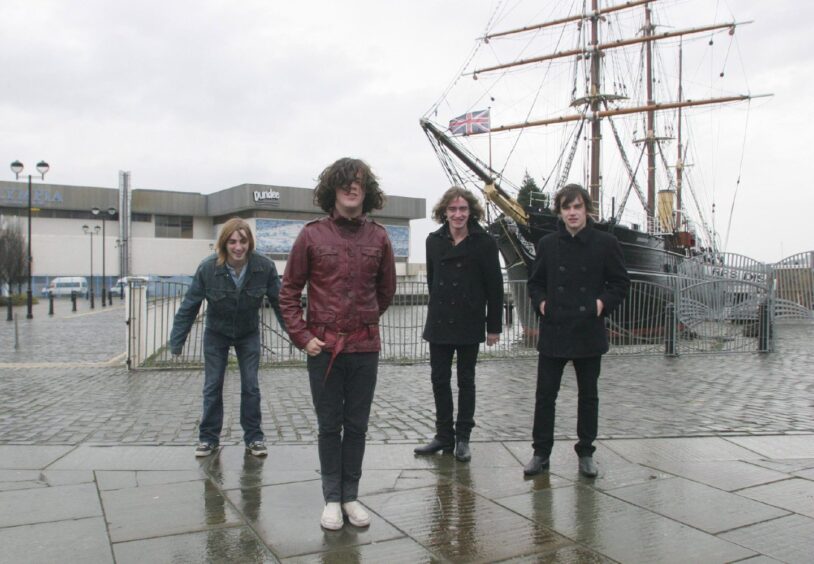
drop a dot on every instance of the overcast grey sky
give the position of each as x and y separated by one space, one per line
203 95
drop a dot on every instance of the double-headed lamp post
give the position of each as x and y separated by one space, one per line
110 212
17 168
89 231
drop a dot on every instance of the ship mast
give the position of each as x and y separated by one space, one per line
596 123
650 142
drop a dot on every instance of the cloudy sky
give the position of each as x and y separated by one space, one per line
207 94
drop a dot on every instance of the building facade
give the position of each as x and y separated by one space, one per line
165 234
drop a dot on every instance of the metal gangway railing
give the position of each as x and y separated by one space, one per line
726 303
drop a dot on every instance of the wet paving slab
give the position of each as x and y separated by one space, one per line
788 539
690 503
92 503
620 530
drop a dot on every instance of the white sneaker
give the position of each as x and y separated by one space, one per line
356 514
332 516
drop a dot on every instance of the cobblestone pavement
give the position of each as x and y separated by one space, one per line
66 385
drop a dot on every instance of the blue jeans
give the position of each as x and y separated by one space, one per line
216 355
441 375
342 404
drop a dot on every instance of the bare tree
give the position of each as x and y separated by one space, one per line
13 263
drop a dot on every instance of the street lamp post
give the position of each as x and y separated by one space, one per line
17 168
111 212
89 231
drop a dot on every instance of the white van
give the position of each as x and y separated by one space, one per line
64 285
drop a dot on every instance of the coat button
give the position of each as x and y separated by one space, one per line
583 268
560 289
582 288
581 308
458 264
441 283
562 268
451 321
455 283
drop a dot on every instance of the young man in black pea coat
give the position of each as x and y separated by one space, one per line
466 300
578 278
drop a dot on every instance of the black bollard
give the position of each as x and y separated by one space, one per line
50 304
104 297
110 298
92 301
763 328
669 330
73 301
10 314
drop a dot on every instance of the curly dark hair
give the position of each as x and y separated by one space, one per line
568 194
439 212
339 175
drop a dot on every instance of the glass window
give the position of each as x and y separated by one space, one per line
173 226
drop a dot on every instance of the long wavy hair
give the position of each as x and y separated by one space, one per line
476 213
232 225
340 175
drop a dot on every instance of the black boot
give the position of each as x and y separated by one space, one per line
537 465
434 446
587 467
462 451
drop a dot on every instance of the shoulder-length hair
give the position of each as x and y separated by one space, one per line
340 175
439 212
568 194
234 224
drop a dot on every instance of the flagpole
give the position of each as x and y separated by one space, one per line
489 109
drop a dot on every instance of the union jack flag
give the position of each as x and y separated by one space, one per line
469 123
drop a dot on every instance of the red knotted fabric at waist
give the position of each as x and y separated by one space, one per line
335 342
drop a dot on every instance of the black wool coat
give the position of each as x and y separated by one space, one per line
465 286
570 274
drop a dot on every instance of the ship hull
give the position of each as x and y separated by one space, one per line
646 257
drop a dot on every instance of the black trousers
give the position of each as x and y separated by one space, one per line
441 376
342 405
549 376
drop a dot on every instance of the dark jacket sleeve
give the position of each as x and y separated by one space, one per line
616 278
538 279
273 293
490 265
429 259
188 311
294 279
386 277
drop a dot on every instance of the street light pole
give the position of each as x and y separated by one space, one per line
17 168
89 231
111 212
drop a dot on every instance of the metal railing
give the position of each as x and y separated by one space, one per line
725 304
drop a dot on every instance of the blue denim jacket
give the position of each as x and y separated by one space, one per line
232 312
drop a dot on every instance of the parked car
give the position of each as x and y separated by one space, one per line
65 285
117 288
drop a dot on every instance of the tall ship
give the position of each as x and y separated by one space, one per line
604 95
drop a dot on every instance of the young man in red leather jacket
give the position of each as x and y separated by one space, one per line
347 261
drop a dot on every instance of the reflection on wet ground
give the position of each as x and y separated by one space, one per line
709 499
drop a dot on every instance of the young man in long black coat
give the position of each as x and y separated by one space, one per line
578 278
466 299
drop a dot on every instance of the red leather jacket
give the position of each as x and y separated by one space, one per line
351 276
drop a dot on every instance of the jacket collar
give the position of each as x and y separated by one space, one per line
475 229
252 265
583 235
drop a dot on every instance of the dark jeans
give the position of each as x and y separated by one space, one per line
441 375
549 376
216 355
342 404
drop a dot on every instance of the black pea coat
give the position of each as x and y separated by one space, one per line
465 286
570 274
